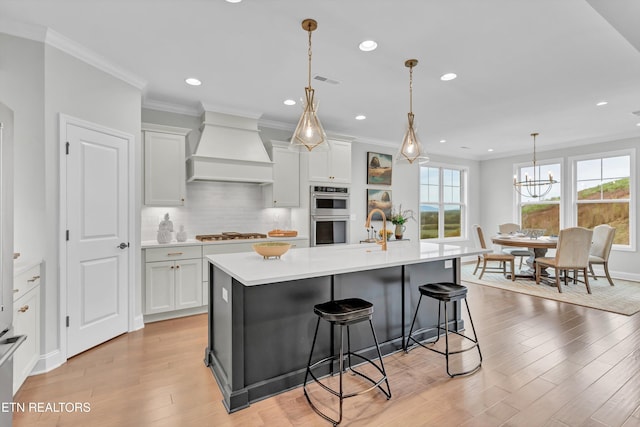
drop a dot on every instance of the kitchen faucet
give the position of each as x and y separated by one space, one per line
382 242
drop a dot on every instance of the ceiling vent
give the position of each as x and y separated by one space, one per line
326 80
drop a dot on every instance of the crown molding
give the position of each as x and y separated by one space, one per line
80 52
214 108
152 104
23 30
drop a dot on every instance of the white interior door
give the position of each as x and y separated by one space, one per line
97 223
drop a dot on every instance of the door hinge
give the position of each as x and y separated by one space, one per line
67 235
67 147
67 321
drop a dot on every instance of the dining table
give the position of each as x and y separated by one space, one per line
537 247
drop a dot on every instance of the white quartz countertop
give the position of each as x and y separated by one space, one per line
250 269
193 242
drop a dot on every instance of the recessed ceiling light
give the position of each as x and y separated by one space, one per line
368 45
361 117
637 124
193 81
289 102
490 150
233 1
442 141
448 76
601 103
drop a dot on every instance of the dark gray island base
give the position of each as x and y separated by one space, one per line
260 335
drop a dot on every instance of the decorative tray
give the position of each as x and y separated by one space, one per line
282 233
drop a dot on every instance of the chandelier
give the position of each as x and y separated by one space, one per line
309 133
411 149
534 187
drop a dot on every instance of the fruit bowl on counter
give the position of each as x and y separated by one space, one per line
271 249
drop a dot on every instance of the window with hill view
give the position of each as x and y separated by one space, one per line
541 212
442 202
603 194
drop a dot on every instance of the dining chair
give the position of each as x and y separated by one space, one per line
509 228
600 249
572 254
502 258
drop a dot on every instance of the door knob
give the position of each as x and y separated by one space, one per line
123 245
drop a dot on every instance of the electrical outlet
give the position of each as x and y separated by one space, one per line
225 295
448 263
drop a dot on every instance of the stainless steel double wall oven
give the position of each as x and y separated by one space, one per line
330 210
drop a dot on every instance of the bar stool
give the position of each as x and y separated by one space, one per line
344 313
444 293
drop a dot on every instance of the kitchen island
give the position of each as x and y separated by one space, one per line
261 319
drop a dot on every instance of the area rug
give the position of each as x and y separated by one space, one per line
623 298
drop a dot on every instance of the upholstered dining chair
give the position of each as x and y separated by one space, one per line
572 254
600 249
517 252
502 258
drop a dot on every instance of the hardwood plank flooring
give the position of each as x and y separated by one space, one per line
545 364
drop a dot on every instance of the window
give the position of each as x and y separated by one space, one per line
603 194
442 202
541 212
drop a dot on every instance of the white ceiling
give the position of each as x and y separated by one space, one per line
523 65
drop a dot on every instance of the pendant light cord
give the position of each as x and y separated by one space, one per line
309 52
411 90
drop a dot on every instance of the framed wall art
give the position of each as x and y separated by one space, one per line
379 168
380 199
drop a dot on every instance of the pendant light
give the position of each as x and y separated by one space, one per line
411 149
309 134
534 187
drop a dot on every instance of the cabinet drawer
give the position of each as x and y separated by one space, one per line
26 281
173 253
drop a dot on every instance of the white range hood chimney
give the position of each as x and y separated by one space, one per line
230 149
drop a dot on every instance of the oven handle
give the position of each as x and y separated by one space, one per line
334 196
330 217
13 343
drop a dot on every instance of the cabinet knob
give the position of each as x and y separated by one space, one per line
177 266
23 308
15 291
171 267
33 279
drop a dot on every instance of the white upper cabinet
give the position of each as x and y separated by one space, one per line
164 165
285 190
332 166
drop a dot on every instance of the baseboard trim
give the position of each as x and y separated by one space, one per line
48 362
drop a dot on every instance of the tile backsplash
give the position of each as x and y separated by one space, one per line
215 207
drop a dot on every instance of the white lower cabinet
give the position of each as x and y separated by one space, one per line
174 283
26 321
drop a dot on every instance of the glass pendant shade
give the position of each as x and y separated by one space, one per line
411 149
309 133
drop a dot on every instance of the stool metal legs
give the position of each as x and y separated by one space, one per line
446 353
341 359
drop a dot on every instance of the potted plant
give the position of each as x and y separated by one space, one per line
398 218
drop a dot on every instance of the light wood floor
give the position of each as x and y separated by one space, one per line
545 364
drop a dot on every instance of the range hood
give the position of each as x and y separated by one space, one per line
230 149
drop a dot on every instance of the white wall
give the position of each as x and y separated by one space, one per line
22 90
498 198
39 82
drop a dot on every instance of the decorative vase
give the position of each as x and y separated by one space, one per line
164 236
181 236
399 231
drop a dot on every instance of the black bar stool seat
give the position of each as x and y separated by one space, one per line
445 292
344 313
